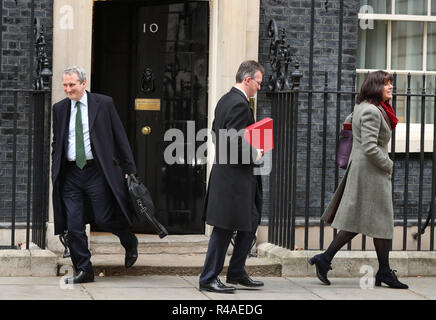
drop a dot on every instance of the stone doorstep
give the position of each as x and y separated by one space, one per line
24 263
350 263
167 264
107 243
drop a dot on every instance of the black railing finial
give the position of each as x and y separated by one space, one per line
280 57
296 75
43 72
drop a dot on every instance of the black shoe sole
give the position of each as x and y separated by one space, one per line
84 281
211 290
247 286
378 283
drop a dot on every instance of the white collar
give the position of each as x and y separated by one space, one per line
83 100
241 91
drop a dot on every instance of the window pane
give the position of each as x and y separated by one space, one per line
378 6
407 38
360 78
431 47
369 55
429 101
416 84
433 7
411 7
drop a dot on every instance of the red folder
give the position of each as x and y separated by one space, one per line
260 134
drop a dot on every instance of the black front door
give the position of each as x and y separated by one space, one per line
153 59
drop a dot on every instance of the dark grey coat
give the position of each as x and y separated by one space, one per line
231 190
110 148
366 204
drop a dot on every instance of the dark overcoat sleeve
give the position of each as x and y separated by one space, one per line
121 142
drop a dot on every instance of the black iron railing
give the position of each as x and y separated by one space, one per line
305 175
25 148
27 163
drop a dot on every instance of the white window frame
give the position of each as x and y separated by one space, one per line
415 128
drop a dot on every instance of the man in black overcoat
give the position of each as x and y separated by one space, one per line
91 157
233 200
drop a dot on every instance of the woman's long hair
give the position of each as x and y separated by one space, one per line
372 87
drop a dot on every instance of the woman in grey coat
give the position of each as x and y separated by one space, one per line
362 202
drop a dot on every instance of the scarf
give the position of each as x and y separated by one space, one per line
390 112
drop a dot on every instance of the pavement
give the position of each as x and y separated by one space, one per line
181 288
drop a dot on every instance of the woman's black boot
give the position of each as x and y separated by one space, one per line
322 267
390 279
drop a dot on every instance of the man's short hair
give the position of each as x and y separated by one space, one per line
248 69
81 74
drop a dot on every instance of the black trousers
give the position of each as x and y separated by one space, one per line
217 249
90 183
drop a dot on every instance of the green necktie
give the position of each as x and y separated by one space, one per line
80 145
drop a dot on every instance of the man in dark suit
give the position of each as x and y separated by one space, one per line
91 157
233 200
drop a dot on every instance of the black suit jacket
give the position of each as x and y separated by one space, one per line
233 188
110 148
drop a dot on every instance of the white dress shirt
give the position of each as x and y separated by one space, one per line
71 152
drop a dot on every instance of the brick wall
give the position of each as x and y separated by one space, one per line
295 17
17 45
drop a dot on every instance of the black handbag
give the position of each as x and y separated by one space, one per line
143 204
344 148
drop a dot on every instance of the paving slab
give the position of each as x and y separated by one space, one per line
365 294
423 286
157 287
128 282
275 288
351 289
153 293
41 292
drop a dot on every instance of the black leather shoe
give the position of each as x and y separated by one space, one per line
81 277
245 281
390 279
322 267
131 255
217 286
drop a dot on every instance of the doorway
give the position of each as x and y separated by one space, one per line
152 59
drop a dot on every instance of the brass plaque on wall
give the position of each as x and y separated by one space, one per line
147 104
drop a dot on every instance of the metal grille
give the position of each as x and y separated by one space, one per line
293 174
25 133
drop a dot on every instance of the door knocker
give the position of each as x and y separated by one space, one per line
147 85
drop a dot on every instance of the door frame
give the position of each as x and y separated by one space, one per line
72 32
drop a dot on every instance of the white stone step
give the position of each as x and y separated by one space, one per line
107 243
